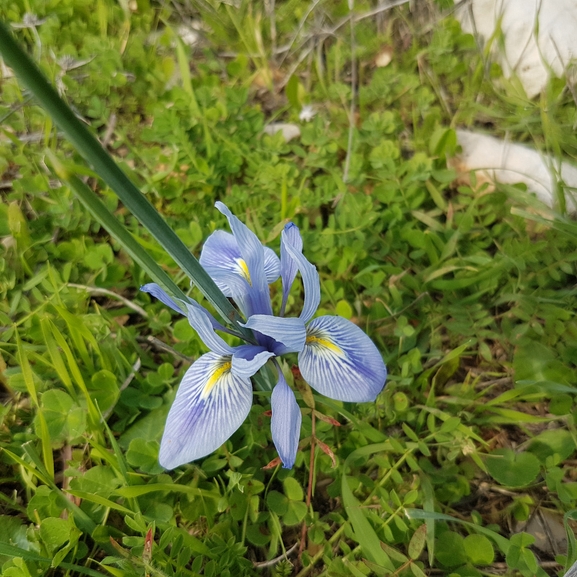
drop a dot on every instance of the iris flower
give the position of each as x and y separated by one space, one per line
335 357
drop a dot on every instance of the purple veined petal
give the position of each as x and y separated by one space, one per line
248 359
199 320
288 267
341 362
158 292
290 333
285 422
210 405
253 254
311 283
221 258
271 265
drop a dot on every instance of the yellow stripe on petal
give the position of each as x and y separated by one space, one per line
243 269
317 341
214 378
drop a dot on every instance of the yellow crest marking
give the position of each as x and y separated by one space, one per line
243 269
322 342
218 373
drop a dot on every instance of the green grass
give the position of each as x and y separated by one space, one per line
470 297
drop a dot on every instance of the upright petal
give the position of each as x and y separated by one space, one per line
341 362
311 283
285 422
248 359
253 255
288 266
221 255
199 320
221 259
158 292
289 333
210 405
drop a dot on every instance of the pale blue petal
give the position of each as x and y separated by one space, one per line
288 266
290 333
285 422
341 362
253 254
157 292
248 359
221 259
271 265
311 283
199 320
210 405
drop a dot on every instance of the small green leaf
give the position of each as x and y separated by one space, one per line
292 489
417 542
450 550
513 469
479 550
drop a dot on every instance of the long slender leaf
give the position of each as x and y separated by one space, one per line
87 145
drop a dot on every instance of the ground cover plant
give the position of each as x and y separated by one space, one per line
465 462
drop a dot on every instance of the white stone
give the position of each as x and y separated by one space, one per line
500 161
538 36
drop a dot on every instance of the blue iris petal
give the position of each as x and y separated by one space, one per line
341 362
289 333
285 423
248 359
210 405
253 255
199 319
311 283
288 267
157 292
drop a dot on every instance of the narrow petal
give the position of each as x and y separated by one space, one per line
290 333
341 362
157 292
288 267
210 405
285 423
311 283
253 254
248 359
199 320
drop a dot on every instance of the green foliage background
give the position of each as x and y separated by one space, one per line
468 292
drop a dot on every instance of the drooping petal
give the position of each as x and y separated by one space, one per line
199 320
289 333
210 405
288 267
311 283
248 359
253 255
341 362
158 292
285 422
